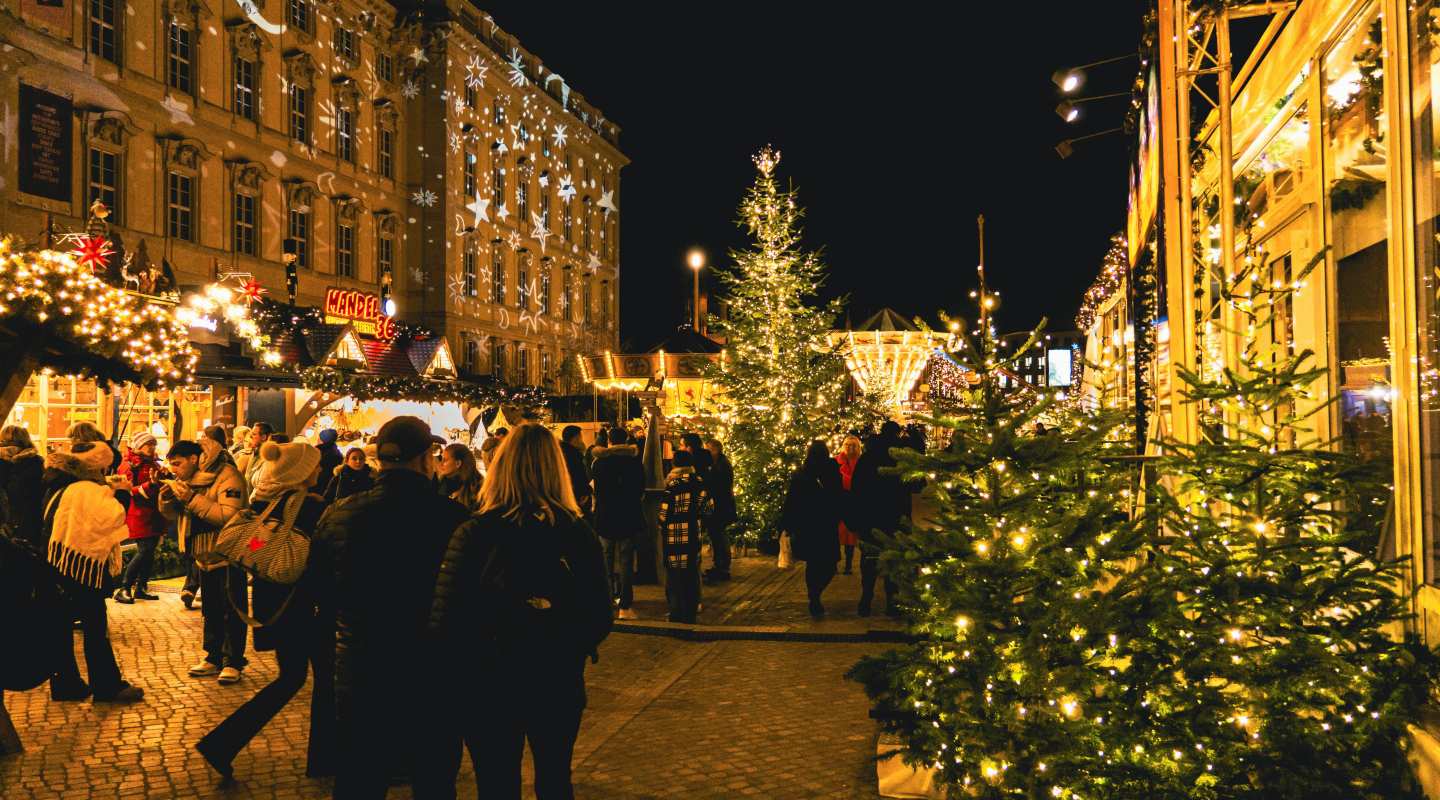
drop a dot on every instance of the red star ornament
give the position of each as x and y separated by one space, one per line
252 292
94 253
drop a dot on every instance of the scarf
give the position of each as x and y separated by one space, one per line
86 529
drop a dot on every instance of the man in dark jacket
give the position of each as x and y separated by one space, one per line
572 444
881 501
387 545
330 456
619 518
720 484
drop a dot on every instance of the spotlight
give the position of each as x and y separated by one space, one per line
1068 111
1066 148
1068 80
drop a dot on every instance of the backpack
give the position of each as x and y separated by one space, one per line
264 546
533 594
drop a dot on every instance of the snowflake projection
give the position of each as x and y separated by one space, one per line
517 68
417 54
417 275
456 289
515 240
567 188
594 265
502 213
607 202
538 230
410 90
454 142
543 180
424 197
475 72
559 136
459 105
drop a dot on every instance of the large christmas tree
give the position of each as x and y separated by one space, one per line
782 383
1009 689
1267 663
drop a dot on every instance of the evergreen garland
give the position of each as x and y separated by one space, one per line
425 390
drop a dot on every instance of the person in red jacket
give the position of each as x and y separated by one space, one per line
849 455
146 523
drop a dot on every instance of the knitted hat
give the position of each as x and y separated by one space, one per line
95 457
141 439
328 436
284 466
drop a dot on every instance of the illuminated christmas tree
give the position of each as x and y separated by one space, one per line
1269 663
782 383
1009 690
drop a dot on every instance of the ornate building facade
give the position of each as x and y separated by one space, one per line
421 155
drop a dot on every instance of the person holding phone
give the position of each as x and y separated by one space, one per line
144 519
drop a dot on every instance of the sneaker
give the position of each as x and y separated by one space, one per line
142 594
122 596
188 598
125 694
228 676
628 613
204 670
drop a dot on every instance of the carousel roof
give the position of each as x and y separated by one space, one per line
885 320
686 340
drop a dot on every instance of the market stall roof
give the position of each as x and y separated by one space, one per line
686 340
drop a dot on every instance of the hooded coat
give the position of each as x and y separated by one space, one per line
87 524
330 455
20 472
345 482
219 496
144 517
619 489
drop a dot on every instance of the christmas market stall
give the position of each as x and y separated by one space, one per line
677 369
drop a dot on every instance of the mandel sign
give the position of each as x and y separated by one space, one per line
360 308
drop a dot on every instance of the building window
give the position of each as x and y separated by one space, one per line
544 291
524 134
469 175
585 299
300 113
497 361
545 366
105 180
181 60
345 250
385 67
386 145
297 14
522 282
245 75
299 230
522 366
345 44
497 183
497 117
180 201
245 224
586 213
103 30
545 146
385 254
345 134
467 269
471 96
497 277
567 221
567 292
472 355
522 197
544 207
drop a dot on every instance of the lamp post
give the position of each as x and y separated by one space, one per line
696 259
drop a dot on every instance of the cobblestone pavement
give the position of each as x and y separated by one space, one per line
667 718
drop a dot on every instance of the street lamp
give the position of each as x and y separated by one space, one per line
696 260
1066 147
1069 110
1068 80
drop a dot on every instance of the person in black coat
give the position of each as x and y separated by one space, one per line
572 442
20 470
299 627
386 545
811 516
521 600
880 502
619 515
720 484
330 456
353 476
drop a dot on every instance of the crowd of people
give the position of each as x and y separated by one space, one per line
444 601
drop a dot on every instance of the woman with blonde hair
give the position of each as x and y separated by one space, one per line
849 454
521 601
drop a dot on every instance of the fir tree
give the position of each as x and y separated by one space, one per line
781 383
1008 690
1266 664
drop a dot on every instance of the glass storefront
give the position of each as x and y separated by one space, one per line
1424 47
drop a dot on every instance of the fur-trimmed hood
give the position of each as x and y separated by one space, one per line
13 453
66 462
617 450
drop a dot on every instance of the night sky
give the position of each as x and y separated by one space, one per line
897 126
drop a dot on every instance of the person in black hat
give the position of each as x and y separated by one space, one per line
387 544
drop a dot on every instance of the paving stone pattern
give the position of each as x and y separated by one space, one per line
667 718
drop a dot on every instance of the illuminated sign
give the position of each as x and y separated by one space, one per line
362 309
1058 363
